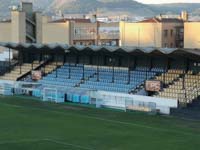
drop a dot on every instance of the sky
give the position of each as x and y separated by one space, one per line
167 1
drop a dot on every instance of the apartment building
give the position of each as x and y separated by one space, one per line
28 26
56 31
83 31
24 25
154 32
192 35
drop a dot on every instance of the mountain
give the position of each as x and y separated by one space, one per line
104 7
6 4
176 7
108 6
129 7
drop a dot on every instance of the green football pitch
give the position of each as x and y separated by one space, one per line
28 124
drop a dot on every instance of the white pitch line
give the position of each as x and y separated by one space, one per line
102 119
68 144
20 141
46 139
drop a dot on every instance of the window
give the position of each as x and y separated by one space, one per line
165 33
172 32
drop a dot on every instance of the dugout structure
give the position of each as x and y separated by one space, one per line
124 103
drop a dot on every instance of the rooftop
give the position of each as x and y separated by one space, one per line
161 20
64 48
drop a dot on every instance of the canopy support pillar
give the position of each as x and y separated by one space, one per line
146 69
32 63
20 67
9 61
151 63
56 65
83 72
113 69
69 69
44 63
135 63
129 72
98 68
64 59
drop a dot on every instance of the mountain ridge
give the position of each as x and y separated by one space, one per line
118 7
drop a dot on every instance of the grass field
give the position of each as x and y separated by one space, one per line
27 124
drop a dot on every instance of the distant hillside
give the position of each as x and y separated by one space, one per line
116 7
121 6
176 7
103 6
5 4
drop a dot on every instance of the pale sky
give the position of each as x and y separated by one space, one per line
167 1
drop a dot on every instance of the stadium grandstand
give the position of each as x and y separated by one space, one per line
146 79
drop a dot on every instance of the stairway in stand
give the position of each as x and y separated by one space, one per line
192 111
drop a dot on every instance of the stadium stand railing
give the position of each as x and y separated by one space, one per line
19 70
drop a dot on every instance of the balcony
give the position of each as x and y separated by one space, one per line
109 36
179 37
85 36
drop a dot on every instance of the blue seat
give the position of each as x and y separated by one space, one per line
76 98
85 99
